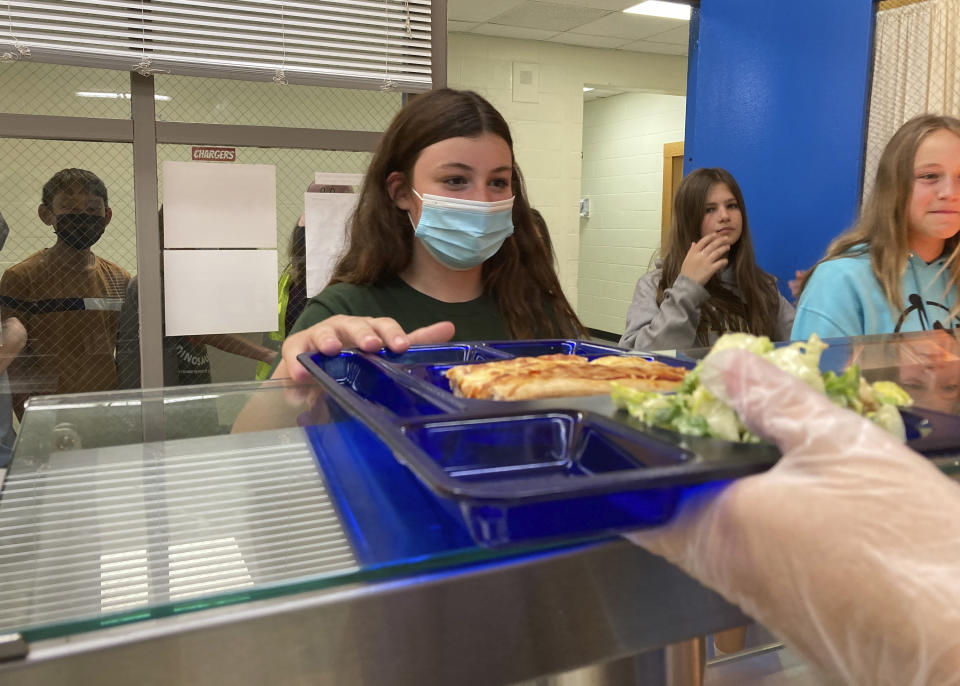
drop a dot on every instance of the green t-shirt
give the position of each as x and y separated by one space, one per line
478 319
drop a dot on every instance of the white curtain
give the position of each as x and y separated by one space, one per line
915 71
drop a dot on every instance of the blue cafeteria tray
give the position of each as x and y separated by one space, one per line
523 471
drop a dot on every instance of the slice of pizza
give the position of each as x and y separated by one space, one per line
638 367
557 376
477 380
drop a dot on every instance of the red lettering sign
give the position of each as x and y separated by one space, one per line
209 154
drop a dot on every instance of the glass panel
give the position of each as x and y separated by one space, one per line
224 101
33 88
126 506
64 289
925 363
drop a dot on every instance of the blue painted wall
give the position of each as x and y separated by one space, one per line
777 93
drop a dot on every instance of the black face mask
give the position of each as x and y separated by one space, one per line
80 231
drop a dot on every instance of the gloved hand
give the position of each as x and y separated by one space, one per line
849 548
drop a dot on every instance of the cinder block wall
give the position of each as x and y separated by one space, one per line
623 139
548 133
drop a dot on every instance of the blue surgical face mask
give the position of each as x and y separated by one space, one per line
461 234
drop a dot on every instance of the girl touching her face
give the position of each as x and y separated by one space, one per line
441 246
708 281
898 268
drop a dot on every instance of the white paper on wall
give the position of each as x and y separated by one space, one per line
219 291
326 216
216 205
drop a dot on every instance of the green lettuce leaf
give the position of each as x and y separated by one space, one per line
694 411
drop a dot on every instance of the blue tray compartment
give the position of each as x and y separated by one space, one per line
433 374
438 354
555 347
535 445
530 476
380 386
932 433
387 512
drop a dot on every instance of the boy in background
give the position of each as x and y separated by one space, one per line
67 297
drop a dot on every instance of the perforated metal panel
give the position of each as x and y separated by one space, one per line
91 533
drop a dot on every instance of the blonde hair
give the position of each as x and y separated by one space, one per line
882 229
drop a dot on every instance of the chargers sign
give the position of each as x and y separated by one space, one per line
212 154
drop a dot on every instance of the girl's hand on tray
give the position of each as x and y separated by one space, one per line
848 548
342 331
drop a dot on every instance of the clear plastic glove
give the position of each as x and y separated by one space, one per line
849 548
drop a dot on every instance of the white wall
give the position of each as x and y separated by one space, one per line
623 139
547 133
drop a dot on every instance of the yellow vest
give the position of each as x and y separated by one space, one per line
283 297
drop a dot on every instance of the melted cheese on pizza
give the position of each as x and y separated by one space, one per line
555 376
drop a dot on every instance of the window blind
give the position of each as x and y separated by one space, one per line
347 43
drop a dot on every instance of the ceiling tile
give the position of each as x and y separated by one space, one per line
589 41
677 36
462 26
632 26
473 11
657 48
513 32
548 15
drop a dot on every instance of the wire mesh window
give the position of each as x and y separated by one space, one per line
219 101
83 325
66 262
32 88
235 357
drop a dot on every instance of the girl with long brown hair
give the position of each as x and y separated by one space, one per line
442 244
898 268
708 283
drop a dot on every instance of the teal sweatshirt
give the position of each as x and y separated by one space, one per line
844 298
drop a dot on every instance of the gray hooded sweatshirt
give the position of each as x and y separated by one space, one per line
673 325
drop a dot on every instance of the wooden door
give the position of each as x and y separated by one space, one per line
672 174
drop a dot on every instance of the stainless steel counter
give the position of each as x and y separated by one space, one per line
485 624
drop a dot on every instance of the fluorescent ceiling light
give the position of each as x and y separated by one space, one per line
587 89
659 8
115 96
